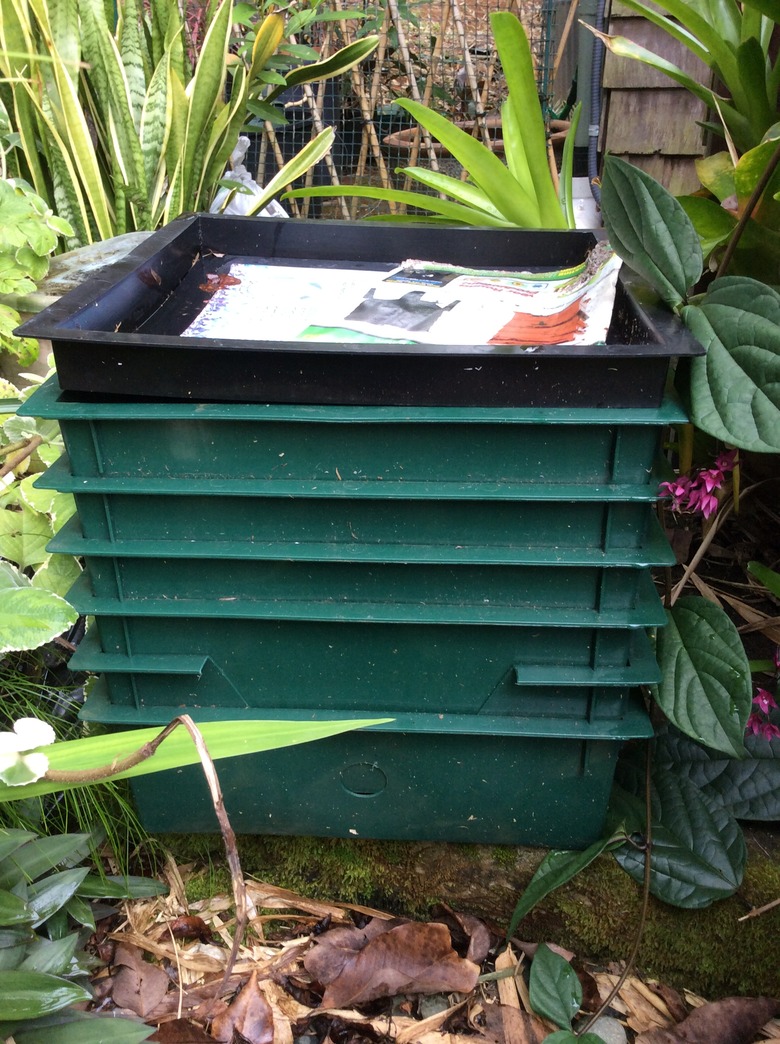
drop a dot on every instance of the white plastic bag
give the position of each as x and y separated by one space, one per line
229 201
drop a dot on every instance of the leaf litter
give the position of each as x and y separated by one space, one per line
311 972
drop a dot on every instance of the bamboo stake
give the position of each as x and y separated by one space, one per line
471 77
413 87
564 39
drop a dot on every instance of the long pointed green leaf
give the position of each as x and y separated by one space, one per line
29 995
336 65
565 183
267 39
156 121
514 148
223 139
132 54
461 191
455 213
518 69
295 168
224 739
486 169
751 66
204 93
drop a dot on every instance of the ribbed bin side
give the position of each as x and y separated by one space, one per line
149 662
533 782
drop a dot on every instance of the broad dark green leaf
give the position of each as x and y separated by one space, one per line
11 840
52 957
554 989
42 854
52 893
705 687
14 910
713 224
94 887
768 577
555 870
567 1037
698 851
649 229
80 911
28 995
749 788
79 1027
735 387
13 946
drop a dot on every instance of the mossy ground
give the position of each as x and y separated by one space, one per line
708 951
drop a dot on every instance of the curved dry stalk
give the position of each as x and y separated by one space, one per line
19 458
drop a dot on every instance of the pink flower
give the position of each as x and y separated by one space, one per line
725 461
764 700
777 658
769 730
701 500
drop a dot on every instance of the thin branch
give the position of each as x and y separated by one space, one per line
21 457
747 213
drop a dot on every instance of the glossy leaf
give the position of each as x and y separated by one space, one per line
768 577
554 989
705 687
714 225
735 387
225 739
698 851
336 65
517 64
555 870
295 168
115 887
567 1037
49 895
649 229
11 841
41 854
28 995
14 910
749 788
51 957
70 1026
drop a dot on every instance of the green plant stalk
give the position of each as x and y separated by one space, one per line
748 211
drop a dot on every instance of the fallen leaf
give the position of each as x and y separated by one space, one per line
181 1031
675 1005
734 1020
191 927
383 959
249 1016
510 1025
470 935
137 985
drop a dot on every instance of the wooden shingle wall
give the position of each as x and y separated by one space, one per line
647 119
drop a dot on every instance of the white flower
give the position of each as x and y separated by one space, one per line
17 766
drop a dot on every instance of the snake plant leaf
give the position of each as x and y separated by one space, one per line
698 850
517 65
155 130
554 988
133 56
735 387
225 739
204 94
705 687
649 229
485 168
749 788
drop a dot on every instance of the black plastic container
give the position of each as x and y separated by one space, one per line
120 333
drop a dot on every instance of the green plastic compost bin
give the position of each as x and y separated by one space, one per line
460 541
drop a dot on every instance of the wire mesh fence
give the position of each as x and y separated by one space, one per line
438 52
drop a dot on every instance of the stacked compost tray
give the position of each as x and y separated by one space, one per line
479 573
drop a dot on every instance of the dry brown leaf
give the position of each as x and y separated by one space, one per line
421 1028
137 985
640 1014
181 1031
470 935
281 899
734 1020
756 620
675 1005
509 1025
384 959
249 1015
507 988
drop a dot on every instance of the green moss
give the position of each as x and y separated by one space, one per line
708 951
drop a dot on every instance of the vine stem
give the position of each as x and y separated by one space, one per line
645 902
747 213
